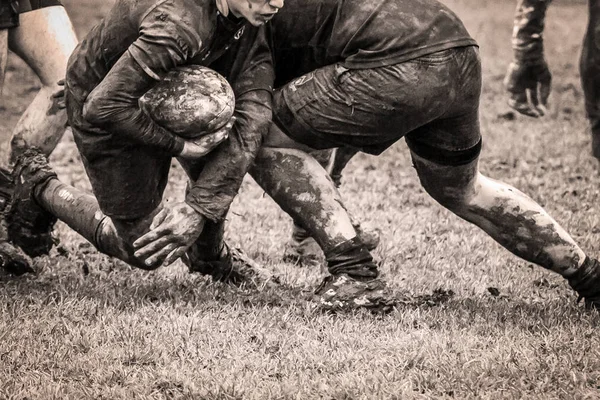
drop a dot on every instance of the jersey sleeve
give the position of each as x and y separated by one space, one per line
527 39
163 44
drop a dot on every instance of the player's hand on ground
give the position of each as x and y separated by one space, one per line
172 232
198 148
529 87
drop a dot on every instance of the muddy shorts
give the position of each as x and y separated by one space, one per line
10 10
433 101
127 179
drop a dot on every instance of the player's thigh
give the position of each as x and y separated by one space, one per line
44 39
454 136
128 179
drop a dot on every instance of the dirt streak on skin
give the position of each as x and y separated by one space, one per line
302 188
509 216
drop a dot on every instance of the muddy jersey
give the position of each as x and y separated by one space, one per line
136 44
156 35
309 34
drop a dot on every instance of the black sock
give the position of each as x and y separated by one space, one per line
352 258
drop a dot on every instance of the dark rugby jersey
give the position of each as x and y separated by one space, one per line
309 34
136 44
155 35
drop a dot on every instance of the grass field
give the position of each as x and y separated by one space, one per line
89 327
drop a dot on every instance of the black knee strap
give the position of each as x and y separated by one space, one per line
443 156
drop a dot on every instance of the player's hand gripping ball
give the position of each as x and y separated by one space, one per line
190 101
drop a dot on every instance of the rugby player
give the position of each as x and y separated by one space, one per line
528 79
127 156
39 32
363 75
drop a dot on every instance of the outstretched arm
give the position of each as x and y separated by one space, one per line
251 75
528 79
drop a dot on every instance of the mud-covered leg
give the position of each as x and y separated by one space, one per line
44 40
12 259
303 189
513 219
302 248
80 211
37 198
340 158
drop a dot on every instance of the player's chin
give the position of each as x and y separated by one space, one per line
261 19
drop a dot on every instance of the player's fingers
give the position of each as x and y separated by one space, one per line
159 218
151 237
153 247
230 124
519 102
207 143
534 102
158 258
544 88
60 93
217 137
174 256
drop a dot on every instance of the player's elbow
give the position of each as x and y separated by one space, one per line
92 111
99 111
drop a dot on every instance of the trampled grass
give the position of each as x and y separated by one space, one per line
89 327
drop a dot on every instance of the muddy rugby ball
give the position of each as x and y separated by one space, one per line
190 101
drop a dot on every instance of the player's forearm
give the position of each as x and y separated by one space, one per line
527 39
220 180
113 106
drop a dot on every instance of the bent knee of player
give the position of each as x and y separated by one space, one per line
452 186
276 138
115 237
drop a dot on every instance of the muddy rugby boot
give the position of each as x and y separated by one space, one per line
12 259
586 282
29 225
303 250
233 267
340 293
